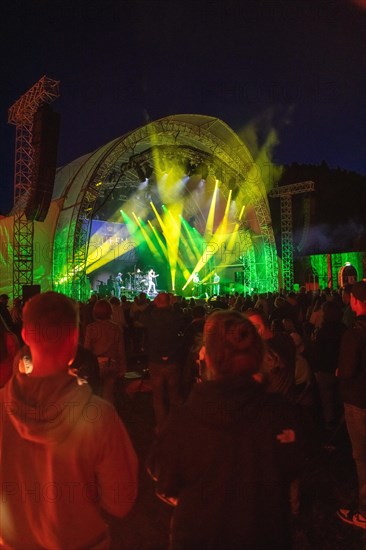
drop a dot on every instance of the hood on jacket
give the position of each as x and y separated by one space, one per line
226 403
45 409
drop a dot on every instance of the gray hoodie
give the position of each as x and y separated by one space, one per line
65 456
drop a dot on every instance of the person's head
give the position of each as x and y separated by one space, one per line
279 301
292 298
114 301
93 299
51 328
198 312
102 310
258 319
288 325
4 299
358 298
232 346
162 300
277 326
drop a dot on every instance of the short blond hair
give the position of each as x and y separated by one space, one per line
102 310
49 319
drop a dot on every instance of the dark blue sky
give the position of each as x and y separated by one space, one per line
296 65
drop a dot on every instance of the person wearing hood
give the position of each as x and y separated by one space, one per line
352 381
9 347
67 463
164 334
225 459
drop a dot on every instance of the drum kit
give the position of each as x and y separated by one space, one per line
137 281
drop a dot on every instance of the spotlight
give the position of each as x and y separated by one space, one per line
203 170
140 172
148 171
111 176
190 167
235 187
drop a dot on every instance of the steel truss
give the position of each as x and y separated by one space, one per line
248 260
191 141
285 193
337 264
21 113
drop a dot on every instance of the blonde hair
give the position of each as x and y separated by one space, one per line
232 344
49 319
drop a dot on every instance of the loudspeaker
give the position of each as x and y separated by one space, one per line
239 277
46 128
29 291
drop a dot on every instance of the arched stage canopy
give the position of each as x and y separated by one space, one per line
181 194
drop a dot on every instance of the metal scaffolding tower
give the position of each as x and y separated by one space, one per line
22 114
285 193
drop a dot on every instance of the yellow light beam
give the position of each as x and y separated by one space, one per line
193 246
165 251
173 221
101 252
158 238
211 212
149 242
232 239
101 255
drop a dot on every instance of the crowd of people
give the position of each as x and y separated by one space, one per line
244 389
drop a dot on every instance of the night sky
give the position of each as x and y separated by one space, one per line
297 66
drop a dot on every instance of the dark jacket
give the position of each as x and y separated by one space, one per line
164 333
6 316
279 364
221 457
352 364
326 346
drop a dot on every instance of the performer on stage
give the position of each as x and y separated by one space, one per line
216 284
151 276
119 283
196 283
110 286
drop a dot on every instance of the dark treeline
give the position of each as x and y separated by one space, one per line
330 219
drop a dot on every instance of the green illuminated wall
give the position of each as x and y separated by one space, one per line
319 264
